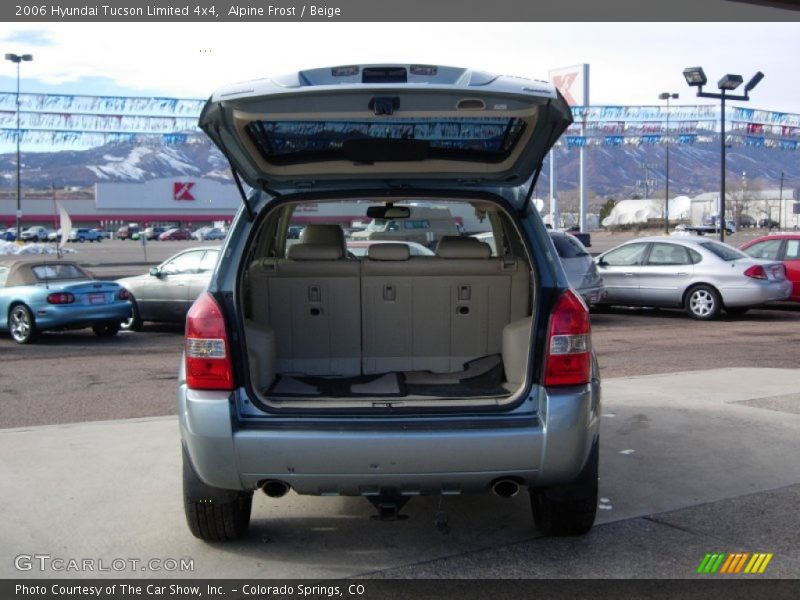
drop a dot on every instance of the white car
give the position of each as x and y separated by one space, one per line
35 233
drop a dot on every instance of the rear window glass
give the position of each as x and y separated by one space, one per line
56 272
792 249
724 251
568 247
488 139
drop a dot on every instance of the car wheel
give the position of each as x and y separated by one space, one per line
134 323
21 325
568 509
214 514
106 329
703 303
736 310
35 239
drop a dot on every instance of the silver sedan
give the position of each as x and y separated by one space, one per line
700 275
167 291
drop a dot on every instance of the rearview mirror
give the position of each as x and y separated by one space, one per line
155 272
388 212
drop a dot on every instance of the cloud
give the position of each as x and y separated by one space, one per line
30 38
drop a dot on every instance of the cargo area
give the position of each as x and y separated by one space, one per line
325 328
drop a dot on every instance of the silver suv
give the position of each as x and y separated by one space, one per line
389 375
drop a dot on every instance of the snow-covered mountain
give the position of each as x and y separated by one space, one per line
618 171
114 162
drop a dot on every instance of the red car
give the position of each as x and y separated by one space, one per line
779 246
175 234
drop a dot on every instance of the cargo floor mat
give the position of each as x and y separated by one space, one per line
480 377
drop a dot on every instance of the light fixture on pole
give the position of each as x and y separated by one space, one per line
667 96
695 77
18 58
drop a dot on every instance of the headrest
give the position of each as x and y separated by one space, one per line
314 252
454 246
329 235
388 252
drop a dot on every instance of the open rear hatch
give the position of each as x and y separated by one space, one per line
369 126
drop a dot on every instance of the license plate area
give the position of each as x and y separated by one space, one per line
97 298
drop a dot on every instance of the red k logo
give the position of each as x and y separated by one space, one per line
563 83
182 190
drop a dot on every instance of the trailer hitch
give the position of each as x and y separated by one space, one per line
389 503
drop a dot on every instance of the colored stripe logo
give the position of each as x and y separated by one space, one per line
735 563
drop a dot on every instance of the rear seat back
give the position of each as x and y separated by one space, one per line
312 302
436 313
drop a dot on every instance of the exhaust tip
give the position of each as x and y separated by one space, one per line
505 488
274 488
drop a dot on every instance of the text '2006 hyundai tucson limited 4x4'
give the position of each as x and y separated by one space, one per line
388 375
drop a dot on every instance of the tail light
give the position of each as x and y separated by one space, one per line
756 272
60 298
124 294
569 344
208 363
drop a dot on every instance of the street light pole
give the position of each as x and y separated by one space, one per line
667 96
696 77
17 59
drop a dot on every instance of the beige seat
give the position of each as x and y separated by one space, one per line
311 301
437 313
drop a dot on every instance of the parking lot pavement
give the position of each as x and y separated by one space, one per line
695 462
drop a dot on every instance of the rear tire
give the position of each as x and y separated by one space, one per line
106 329
135 321
21 325
214 514
569 509
703 303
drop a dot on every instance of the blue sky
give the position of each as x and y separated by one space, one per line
631 63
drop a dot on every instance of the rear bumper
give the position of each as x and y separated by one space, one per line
430 456
757 293
81 316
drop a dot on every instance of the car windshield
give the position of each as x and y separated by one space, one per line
724 251
57 272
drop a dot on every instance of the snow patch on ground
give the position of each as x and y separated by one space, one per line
12 248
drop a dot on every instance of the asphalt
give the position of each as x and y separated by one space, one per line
691 463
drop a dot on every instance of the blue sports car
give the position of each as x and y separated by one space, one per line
39 293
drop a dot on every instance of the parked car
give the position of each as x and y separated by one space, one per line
746 221
360 248
768 223
393 375
577 262
424 226
8 235
126 232
152 233
39 293
84 234
209 233
700 275
175 234
779 246
35 233
166 292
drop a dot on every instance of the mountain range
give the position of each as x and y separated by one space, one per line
618 172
